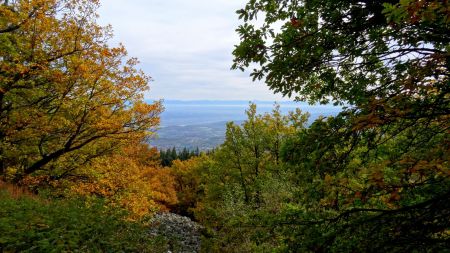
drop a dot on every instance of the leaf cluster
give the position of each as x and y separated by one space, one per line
38 225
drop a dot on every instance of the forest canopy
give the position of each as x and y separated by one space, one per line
66 96
376 176
75 129
72 113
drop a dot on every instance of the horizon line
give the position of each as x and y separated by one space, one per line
225 100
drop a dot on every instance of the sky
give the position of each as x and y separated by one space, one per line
185 46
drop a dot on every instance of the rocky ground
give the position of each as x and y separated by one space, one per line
183 234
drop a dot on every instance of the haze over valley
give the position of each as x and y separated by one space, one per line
202 123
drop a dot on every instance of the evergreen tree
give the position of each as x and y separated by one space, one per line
170 155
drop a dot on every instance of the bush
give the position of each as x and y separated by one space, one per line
36 225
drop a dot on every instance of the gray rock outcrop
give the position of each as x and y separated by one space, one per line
182 234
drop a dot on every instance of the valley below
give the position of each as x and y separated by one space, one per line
202 124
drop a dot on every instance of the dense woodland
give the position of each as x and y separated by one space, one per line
167 156
77 173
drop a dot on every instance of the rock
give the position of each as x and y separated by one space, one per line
183 234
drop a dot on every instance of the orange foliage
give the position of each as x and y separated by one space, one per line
66 95
187 176
15 191
130 180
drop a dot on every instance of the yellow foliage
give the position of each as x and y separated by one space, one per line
187 175
68 95
131 181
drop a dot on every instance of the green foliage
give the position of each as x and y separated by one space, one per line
36 225
380 178
375 178
244 183
349 52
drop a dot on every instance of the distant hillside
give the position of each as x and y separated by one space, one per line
202 123
204 136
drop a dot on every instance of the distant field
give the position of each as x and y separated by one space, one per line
201 124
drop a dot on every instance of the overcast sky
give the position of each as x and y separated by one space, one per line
185 46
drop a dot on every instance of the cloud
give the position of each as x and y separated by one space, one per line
185 46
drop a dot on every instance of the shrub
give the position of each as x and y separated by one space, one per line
36 225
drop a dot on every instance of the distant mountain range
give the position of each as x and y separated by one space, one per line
202 123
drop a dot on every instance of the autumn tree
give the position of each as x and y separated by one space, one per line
130 179
189 180
246 180
66 97
251 150
375 177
